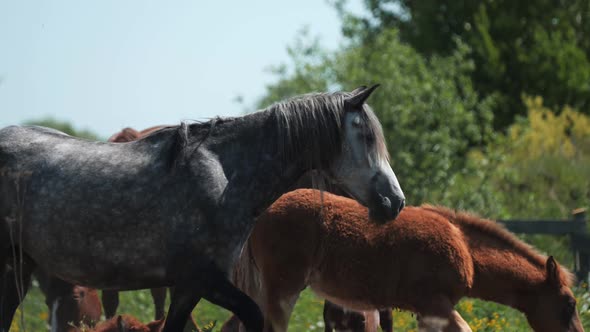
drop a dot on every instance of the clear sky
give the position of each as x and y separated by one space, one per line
104 65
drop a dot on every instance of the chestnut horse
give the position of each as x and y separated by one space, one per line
436 257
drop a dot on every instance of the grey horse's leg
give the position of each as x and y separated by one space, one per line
386 320
223 293
159 297
183 299
110 302
214 286
10 298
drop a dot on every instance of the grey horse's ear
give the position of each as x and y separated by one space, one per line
121 324
358 97
358 90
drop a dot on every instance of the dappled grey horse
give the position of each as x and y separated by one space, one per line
176 207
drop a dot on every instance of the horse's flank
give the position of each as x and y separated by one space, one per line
335 243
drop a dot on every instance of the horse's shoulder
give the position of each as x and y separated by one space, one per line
8 133
13 137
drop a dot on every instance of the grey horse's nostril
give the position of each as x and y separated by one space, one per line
401 206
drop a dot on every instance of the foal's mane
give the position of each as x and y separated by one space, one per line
492 229
315 120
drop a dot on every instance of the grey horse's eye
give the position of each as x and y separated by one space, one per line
356 121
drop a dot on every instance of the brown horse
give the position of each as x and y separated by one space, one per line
340 319
436 257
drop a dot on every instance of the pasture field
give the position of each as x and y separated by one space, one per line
481 316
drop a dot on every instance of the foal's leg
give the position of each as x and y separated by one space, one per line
278 310
15 280
457 324
439 315
159 297
110 302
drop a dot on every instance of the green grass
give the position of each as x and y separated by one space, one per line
481 316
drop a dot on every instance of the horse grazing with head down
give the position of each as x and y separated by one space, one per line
434 257
178 203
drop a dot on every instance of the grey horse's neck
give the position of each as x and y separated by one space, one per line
257 160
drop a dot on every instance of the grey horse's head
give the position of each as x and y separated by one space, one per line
338 135
362 169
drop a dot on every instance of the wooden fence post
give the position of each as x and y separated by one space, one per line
581 258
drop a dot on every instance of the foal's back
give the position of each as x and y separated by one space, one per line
329 244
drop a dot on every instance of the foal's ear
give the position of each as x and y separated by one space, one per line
121 326
359 96
156 326
552 271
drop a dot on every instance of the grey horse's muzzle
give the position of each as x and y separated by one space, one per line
386 199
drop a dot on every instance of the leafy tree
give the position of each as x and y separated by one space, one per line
535 48
539 169
546 163
307 72
64 126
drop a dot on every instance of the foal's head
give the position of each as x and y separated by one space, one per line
363 168
552 307
76 305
